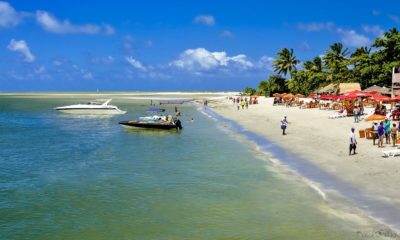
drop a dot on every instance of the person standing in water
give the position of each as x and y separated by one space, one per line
284 123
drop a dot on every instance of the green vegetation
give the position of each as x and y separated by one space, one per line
366 65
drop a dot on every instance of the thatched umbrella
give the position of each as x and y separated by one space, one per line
299 95
287 96
276 95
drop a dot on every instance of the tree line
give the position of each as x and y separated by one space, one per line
367 65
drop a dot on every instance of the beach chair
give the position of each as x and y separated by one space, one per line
391 153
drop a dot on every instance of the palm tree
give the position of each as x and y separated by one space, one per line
361 61
286 62
314 66
336 60
389 44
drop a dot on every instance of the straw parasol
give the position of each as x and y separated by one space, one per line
287 96
299 95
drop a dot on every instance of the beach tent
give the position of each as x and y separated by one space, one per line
377 89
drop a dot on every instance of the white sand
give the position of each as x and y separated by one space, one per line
324 142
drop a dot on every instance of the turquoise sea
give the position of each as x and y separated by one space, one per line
83 177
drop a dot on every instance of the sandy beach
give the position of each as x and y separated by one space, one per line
324 142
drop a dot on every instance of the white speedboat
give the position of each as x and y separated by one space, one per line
91 108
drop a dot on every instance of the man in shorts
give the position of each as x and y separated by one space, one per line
353 142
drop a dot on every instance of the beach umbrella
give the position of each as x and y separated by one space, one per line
299 95
287 96
357 93
375 117
312 95
347 97
276 95
372 93
381 98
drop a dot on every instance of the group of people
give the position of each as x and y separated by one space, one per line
241 102
385 130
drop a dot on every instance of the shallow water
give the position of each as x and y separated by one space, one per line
83 177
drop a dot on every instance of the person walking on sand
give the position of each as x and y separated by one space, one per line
387 130
375 132
381 134
284 123
353 142
393 134
242 103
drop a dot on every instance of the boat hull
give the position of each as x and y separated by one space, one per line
148 125
92 111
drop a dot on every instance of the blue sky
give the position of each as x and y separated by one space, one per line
59 45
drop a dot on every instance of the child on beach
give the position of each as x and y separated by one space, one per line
353 142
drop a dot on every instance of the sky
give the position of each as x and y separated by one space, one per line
60 45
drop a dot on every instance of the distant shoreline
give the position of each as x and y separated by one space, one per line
178 95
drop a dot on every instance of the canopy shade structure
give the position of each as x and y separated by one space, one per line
327 89
348 87
340 88
377 89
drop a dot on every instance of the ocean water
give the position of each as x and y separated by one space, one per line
83 177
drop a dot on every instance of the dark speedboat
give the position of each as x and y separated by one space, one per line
166 125
155 109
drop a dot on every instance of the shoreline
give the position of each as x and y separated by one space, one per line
313 165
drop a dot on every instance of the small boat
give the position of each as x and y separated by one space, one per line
148 124
172 102
91 108
156 109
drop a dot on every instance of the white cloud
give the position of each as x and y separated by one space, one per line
353 39
135 63
108 29
200 59
226 33
266 62
374 29
376 12
8 16
207 20
394 18
315 27
57 62
87 75
22 47
51 24
102 60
